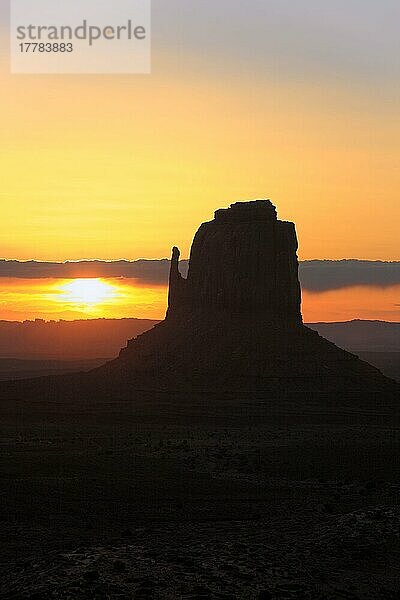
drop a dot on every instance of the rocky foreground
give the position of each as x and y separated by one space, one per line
166 500
226 560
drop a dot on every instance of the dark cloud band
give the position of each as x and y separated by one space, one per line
146 271
315 275
324 275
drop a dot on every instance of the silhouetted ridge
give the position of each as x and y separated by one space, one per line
235 321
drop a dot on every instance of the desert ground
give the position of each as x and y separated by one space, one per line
174 495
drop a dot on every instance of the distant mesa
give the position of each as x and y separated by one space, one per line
235 321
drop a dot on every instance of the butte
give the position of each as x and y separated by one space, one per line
235 322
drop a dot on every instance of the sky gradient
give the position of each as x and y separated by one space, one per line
290 100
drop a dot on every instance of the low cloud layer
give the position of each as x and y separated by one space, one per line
315 275
324 275
150 272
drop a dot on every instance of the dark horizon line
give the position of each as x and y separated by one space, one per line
46 321
108 261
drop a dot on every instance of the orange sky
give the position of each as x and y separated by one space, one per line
288 101
53 299
124 167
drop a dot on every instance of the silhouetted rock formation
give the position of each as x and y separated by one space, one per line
244 261
236 320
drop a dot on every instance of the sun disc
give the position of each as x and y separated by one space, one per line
87 292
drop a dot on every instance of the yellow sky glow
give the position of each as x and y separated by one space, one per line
114 167
125 167
54 299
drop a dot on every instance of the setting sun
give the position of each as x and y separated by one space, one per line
87 292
